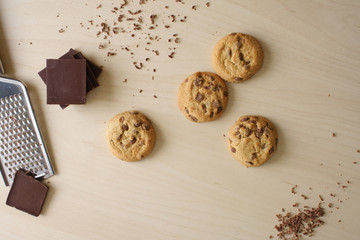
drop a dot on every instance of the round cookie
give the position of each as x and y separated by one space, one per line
202 97
252 140
237 57
130 136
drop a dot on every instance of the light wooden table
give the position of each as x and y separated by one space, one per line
190 187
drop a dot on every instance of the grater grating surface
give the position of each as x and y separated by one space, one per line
21 143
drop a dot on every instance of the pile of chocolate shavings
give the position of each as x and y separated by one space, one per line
293 226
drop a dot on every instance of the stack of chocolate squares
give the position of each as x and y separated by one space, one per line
69 78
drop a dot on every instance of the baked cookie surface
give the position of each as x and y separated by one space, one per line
202 97
237 57
130 136
252 140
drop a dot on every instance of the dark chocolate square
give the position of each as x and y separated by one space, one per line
66 81
89 73
27 194
72 54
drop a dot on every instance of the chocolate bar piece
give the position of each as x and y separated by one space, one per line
89 73
90 79
66 81
27 194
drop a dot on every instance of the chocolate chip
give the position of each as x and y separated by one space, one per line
145 126
263 146
253 156
269 126
138 123
238 79
252 121
119 137
122 119
216 104
219 109
211 114
238 42
204 108
247 62
211 77
241 56
248 162
237 133
199 81
233 150
133 140
226 94
276 142
199 97
248 132
186 110
267 133
271 150
125 127
259 132
244 119
193 118
230 53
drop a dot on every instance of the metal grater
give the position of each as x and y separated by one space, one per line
21 143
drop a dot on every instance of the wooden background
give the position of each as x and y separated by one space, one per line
190 187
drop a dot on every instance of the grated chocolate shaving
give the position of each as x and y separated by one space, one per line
301 224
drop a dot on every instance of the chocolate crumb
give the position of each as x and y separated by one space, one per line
293 189
155 96
334 134
194 7
171 55
61 30
99 6
109 54
101 46
208 4
295 205
294 226
304 197
321 198
330 205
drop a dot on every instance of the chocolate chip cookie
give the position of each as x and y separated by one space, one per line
237 57
202 97
130 136
252 140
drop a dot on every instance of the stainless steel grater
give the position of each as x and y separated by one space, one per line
21 143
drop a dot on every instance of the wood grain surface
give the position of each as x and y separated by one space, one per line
190 187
